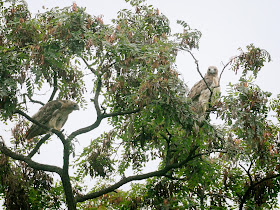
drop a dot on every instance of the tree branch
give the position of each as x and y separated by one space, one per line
34 101
31 163
198 70
96 97
98 121
65 178
249 190
85 129
225 68
175 178
54 87
265 179
121 113
248 171
89 66
168 152
38 145
125 180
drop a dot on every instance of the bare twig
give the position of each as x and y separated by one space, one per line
198 70
211 90
230 61
33 101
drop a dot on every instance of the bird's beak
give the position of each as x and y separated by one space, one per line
213 71
76 107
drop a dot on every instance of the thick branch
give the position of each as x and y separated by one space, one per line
31 163
120 183
251 188
32 120
38 145
65 178
96 97
98 121
125 180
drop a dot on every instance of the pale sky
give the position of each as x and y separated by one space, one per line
225 26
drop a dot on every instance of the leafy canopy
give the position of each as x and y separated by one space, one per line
127 71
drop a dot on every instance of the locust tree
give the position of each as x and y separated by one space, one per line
135 85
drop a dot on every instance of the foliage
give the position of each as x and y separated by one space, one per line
26 188
128 69
253 60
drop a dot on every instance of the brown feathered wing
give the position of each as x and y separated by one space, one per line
200 86
200 93
43 116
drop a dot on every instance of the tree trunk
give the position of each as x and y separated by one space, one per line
70 201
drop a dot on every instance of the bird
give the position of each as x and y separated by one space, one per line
200 93
53 114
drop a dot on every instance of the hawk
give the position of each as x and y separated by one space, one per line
53 114
200 94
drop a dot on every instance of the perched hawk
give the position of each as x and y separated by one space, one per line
53 114
200 94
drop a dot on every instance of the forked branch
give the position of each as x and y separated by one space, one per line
89 66
246 196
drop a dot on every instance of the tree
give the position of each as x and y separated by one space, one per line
129 70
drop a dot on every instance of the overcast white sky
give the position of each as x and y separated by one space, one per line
225 26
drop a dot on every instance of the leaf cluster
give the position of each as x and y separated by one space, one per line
253 60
